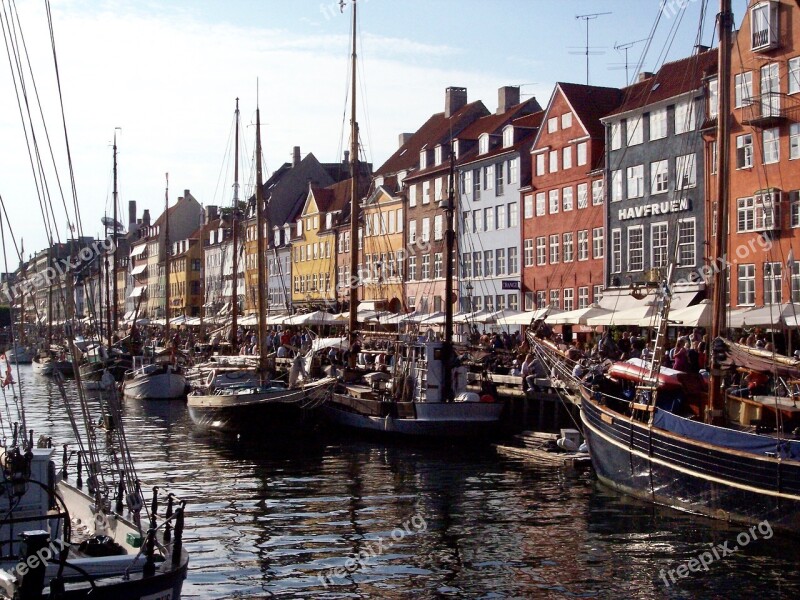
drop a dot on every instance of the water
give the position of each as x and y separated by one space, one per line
274 519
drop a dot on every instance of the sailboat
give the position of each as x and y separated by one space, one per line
158 376
425 394
648 447
74 528
247 404
20 353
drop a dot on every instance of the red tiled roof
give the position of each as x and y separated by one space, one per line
436 130
532 120
672 79
494 123
590 103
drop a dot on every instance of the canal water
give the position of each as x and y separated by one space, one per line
338 517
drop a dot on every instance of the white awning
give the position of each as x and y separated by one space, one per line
139 269
138 291
138 251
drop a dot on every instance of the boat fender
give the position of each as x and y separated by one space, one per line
468 397
487 398
567 444
212 376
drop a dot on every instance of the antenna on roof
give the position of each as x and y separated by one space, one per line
587 48
626 46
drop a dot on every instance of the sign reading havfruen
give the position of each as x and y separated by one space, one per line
657 208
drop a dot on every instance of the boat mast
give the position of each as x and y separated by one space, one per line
235 241
714 409
262 333
354 207
104 266
449 240
166 259
114 308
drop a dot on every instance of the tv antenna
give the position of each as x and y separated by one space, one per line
587 49
625 47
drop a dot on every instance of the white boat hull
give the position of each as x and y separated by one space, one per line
160 386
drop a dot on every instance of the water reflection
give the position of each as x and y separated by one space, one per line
272 518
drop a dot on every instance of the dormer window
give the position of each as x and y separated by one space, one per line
300 227
508 136
456 149
328 220
437 155
277 238
764 25
423 159
713 98
483 143
401 177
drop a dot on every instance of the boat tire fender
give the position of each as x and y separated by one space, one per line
211 378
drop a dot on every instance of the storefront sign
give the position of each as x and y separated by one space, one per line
657 208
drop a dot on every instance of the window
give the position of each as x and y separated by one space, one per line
583 297
685 172
616 251
583 245
764 25
500 302
527 206
569 246
616 135
598 242
483 143
794 208
513 214
527 249
659 177
684 117
757 213
488 220
552 125
597 192
541 299
554 201
746 285
636 181
513 170
437 188
772 283
390 215
513 260
566 120
555 298
713 157
566 158
794 141
597 290
437 228
569 298
566 198
713 98
541 250
423 159
488 263
795 266
636 248
582 156
555 247
540 164
437 265
794 75
744 151
466 265
426 192
426 266
513 302
770 140
687 248
426 229
659 245
477 221
770 91
477 263
583 193
508 136
488 302
616 185
743 87
540 204
488 177
634 130
501 220
412 231
476 184
553 161
658 124
500 261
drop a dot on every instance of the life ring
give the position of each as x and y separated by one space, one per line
211 377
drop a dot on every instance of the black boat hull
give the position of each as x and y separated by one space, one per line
686 474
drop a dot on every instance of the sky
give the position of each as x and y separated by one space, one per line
164 77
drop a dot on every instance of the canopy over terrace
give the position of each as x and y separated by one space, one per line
774 315
317 317
523 318
643 315
577 317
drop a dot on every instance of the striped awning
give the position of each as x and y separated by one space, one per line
139 269
138 291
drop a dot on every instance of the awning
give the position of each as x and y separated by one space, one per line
372 305
138 250
138 291
139 269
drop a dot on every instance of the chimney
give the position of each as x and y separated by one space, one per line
186 194
146 217
507 96
211 213
455 98
131 213
644 76
346 160
296 156
700 48
404 137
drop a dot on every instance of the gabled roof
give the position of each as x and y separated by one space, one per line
590 103
673 79
528 123
436 130
494 123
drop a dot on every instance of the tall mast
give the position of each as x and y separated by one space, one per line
721 220
104 265
115 308
449 240
262 332
354 208
235 225
166 259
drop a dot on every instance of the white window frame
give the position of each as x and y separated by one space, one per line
634 131
659 177
635 178
659 244
636 252
658 123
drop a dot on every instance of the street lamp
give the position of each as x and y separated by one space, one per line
469 295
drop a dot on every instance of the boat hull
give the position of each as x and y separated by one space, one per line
155 386
431 420
48 367
673 470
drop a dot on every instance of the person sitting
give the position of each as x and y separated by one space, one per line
515 370
526 370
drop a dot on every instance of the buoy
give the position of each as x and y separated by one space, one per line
487 398
566 444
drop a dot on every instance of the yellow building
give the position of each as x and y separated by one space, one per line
185 276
